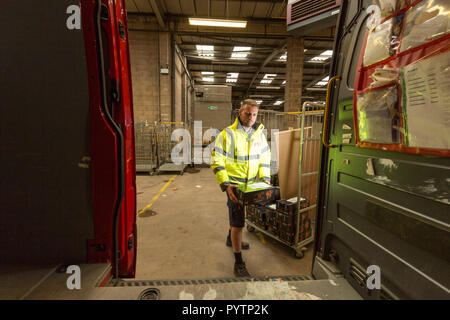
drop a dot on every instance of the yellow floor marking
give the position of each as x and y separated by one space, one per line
157 196
261 237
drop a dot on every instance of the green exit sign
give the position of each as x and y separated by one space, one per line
212 108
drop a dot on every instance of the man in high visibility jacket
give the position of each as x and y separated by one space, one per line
241 155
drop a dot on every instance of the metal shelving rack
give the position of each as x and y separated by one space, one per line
310 118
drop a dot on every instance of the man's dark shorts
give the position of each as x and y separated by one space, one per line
236 213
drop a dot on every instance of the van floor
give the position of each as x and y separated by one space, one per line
182 225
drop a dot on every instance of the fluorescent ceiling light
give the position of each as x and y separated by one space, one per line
207 72
284 82
242 49
269 88
278 102
323 56
283 57
239 55
258 101
217 23
323 82
266 81
269 75
205 51
208 79
204 48
232 74
231 80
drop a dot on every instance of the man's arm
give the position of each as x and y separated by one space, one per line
264 164
218 156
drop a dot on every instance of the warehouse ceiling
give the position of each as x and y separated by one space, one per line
241 58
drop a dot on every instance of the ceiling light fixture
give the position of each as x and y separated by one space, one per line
323 82
208 79
235 49
218 23
267 88
323 56
205 51
239 55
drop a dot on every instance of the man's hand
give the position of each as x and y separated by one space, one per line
230 191
267 181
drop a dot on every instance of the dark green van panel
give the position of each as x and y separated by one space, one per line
378 207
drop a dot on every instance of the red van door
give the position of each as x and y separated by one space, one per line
104 25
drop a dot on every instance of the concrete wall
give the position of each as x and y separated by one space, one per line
219 99
151 50
145 74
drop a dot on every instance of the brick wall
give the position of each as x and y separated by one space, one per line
151 50
144 75
294 74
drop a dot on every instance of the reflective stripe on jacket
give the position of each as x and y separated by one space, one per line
239 160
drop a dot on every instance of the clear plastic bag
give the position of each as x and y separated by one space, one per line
384 76
387 7
426 21
382 41
378 116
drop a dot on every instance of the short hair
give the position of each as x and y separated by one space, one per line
249 102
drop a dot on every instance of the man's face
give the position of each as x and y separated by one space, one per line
248 115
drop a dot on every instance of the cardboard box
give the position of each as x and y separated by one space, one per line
290 206
251 194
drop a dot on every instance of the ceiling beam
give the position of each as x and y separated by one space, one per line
269 58
156 9
247 68
235 35
184 18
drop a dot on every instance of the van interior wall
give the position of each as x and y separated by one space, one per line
46 208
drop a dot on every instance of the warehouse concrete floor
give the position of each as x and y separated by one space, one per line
182 231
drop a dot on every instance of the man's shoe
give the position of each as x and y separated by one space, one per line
244 245
240 270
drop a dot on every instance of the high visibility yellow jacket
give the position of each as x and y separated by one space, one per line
239 160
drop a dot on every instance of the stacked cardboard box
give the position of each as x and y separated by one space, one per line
280 219
287 215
